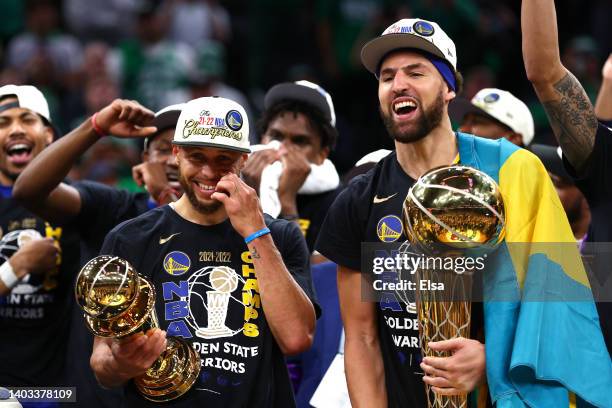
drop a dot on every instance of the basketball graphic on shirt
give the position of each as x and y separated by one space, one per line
223 279
211 290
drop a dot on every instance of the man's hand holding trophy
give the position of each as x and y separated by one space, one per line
120 304
451 212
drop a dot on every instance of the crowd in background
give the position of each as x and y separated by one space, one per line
85 53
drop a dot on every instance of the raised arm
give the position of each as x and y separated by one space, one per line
289 312
603 105
569 110
40 187
365 374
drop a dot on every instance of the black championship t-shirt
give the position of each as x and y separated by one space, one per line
369 210
35 315
312 209
596 184
207 294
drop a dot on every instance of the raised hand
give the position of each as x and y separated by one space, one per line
125 118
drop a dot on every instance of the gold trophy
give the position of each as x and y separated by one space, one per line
448 211
118 302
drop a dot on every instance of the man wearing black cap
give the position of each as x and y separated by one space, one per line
295 180
573 201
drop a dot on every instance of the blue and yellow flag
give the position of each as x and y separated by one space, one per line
542 335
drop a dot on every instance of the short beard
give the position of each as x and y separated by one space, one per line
199 206
429 120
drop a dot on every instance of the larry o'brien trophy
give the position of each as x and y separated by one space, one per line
448 213
119 302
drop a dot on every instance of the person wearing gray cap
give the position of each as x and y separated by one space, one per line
232 282
494 113
415 64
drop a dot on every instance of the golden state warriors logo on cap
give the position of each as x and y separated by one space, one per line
492 97
176 263
389 228
423 28
233 119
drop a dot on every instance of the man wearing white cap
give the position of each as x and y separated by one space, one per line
216 228
415 63
35 280
494 113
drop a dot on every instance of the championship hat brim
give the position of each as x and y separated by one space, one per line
375 50
459 107
214 145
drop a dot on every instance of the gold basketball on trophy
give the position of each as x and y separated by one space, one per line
449 212
119 302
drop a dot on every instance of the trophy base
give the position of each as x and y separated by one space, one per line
208 333
172 374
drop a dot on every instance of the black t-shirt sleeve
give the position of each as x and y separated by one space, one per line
296 257
594 181
103 207
343 228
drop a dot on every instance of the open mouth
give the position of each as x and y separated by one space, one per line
404 107
19 153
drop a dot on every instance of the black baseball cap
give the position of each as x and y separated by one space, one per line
304 91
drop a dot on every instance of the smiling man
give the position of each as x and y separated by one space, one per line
38 258
415 64
216 232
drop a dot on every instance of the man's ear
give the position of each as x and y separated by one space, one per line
516 138
243 160
323 154
450 94
49 135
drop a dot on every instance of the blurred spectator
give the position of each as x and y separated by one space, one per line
154 69
581 57
194 21
108 20
46 55
11 18
207 78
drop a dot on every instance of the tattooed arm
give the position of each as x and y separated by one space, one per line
567 106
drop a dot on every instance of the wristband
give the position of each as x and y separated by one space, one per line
7 275
257 234
95 126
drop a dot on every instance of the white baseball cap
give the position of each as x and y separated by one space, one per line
499 105
305 91
213 121
409 33
28 97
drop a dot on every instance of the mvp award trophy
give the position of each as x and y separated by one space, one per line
450 212
118 302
